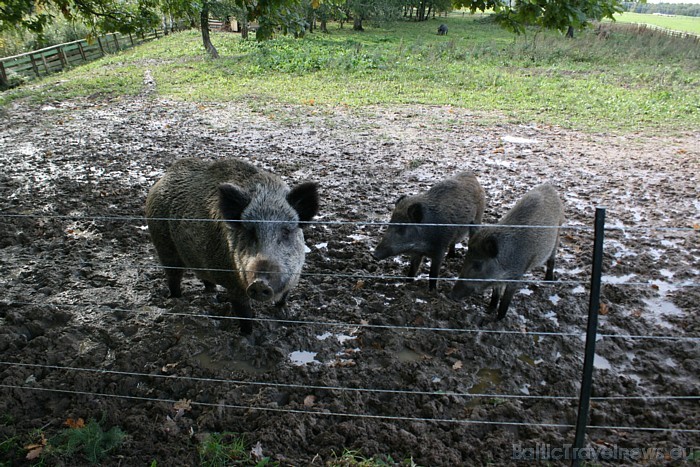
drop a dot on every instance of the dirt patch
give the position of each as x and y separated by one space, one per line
383 366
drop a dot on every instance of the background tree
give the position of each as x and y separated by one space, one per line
563 15
102 15
378 11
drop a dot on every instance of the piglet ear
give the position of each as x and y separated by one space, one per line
232 202
305 200
415 212
491 246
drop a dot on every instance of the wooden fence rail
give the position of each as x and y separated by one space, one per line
18 68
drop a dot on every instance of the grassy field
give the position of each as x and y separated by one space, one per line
677 23
623 83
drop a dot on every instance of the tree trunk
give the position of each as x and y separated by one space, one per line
570 32
324 25
204 19
357 23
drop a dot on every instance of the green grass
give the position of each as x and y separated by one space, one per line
222 449
689 24
624 83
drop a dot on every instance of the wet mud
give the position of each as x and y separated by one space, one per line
361 359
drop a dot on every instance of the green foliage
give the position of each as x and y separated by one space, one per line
104 15
15 41
665 8
222 449
11 451
559 15
91 439
351 458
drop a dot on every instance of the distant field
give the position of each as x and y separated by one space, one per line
676 23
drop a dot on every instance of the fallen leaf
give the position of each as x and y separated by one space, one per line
637 313
450 351
256 451
34 453
655 286
604 309
168 367
696 226
457 365
183 404
309 401
36 449
359 285
77 423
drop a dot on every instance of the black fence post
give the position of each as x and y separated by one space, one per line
589 356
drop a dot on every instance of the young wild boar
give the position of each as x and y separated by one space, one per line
252 260
503 253
458 200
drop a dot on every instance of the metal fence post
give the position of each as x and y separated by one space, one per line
589 355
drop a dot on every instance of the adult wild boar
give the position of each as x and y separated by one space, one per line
233 225
507 253
458 200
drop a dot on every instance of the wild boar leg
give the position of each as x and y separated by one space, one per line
505 301
416 261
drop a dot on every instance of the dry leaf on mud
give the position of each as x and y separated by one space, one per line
167 368
183 404
655 286
256 451
604 309
309 401
696 226
637 313
77 423
35 449
458 365
359 285
450 350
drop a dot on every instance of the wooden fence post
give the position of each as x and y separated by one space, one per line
100 44
46 65
4 82
82 51
62 57
116 41
34 67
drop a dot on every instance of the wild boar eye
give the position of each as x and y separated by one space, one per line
287 232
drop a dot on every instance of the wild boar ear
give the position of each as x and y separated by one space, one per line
304 199
232 201
415 212
491 246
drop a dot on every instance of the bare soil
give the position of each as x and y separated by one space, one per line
361 360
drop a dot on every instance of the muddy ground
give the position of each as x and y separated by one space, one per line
361 360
